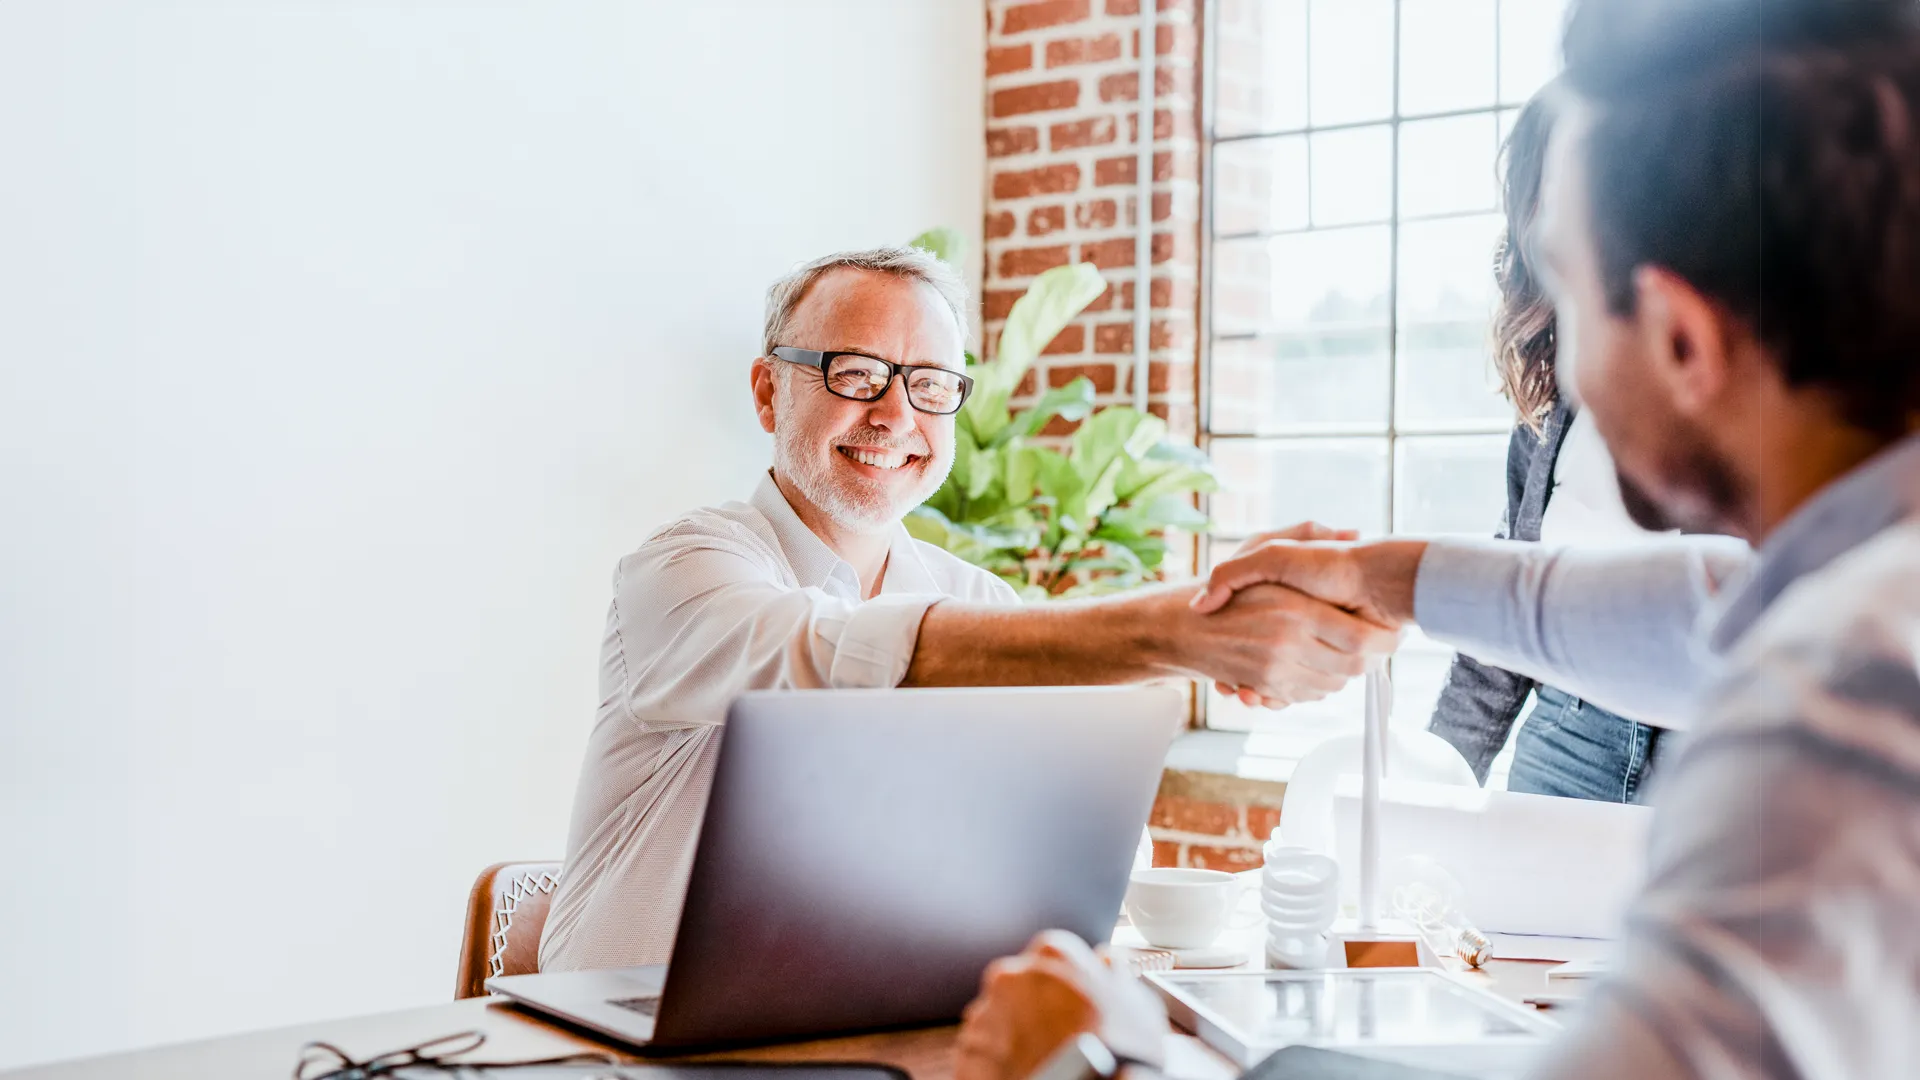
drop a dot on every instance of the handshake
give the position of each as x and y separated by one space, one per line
1292 617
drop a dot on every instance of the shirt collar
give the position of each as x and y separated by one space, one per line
814 563
1842 516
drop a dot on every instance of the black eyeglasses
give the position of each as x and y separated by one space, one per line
859 377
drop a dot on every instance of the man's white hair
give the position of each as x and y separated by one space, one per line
912 264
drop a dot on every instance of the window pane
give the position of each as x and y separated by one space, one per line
1353 176
1446 55
1529 46
1447 166
1260 68
1267 485
1260 185
1330 277
1450 484
1351 60
1303 382
1445 368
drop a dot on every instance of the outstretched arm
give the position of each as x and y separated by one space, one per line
1613 627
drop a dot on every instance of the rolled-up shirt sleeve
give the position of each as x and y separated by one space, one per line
1614 627
699 620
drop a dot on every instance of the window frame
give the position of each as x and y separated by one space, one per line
1500 110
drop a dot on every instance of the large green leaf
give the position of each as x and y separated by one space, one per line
945 244
1142 519
1105 445
1073 401
1021 474
985 472
1054 299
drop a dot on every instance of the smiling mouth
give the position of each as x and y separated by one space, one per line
887 460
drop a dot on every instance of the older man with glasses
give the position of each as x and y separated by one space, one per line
814 583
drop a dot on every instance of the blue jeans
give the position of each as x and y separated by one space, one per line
1580 751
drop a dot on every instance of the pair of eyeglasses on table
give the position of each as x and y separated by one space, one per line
325 1061
859 377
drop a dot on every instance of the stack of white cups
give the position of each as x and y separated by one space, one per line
1300 896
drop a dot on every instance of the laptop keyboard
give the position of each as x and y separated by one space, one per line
645 1006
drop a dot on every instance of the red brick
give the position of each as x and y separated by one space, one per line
1118 337
1000 225
1117 253
1083 50
1132 7
1039 97
1046 180
1046 219
1109 254
995 304
1167 124
1026 262
1005 142
1168 39
1121 170
1261 821
1046 13
1098 214
1029 384
1231 859
1071 339
1103 302
1125 86
1005 58
1161 295
1059 428
1161 377
1103 376
1194 815
1166 853
1093 131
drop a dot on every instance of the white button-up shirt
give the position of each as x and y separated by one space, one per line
726 599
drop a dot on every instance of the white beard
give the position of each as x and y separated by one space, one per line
850 502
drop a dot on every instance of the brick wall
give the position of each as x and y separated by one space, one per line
1062 99
1212 821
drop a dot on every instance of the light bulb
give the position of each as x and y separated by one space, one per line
1423 893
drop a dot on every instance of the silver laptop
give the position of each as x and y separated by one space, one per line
866 853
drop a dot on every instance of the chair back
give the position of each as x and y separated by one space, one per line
505 913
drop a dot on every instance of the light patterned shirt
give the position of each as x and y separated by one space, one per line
724 600
1778 934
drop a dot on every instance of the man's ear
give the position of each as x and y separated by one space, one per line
1685 336
761 378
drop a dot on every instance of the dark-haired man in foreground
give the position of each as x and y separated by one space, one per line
1731 232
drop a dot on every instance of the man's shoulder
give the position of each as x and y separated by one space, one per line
1837 656
963 579
733 526
1852 601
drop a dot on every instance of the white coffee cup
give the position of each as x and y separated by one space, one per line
1181 909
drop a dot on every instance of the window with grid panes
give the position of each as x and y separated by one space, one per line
1352 209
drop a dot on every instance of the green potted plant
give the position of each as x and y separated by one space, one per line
1088 518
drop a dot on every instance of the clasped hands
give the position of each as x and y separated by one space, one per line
1298 613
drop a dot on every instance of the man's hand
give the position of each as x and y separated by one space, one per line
1373 581
1031 1004
1284 645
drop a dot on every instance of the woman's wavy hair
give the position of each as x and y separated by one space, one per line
1523 326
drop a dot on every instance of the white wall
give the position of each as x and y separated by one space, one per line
343 349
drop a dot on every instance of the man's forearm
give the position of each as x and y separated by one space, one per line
1613 627
1088 642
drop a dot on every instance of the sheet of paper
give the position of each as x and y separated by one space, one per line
1544 947
1529 864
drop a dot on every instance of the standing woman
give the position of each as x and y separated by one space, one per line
1562 490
